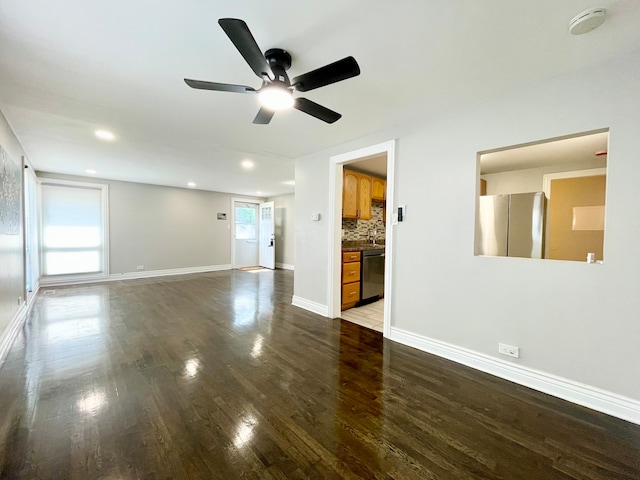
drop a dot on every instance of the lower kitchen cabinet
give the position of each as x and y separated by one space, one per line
350 279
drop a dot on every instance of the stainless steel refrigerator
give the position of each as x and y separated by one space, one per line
511 225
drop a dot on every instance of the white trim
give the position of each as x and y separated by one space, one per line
284 266
547 177
11 332
335 226
144 274
579 393
310 305
9 335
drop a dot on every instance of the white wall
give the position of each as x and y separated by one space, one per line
164 228
285 230
576 321
11 246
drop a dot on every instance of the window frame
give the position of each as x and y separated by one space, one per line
70 278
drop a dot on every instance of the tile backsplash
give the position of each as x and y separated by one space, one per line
353 229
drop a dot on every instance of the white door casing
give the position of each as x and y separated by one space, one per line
335 223
267 248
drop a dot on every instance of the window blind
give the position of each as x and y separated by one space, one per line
72 230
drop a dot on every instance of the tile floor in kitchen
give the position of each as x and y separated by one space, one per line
370 316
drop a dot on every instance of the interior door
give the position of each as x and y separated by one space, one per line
267 249
245 234
570 236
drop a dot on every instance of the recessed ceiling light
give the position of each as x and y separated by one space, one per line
191 184
258 192
247 164
104 135
91 172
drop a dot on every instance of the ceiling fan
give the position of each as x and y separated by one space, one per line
276 92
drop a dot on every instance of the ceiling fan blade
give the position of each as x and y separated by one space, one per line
221 87
239 33
264 116
332 73
316 110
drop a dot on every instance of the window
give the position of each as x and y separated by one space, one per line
245 222
73 229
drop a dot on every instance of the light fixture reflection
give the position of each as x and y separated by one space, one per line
93 402
275 97
257 347
247 164
244 432
191 367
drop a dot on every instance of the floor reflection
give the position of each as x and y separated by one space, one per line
244 431
71 331
360 384
252 297
92 402
191 368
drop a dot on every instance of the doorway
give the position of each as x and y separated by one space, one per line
253 234
575 215
334 287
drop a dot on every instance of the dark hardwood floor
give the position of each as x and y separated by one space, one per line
218 376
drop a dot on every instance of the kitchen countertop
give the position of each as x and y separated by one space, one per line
355 246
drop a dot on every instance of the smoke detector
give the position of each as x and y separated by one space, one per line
587 21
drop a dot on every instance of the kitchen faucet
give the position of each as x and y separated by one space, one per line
373 233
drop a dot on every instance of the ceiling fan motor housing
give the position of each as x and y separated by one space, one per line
278 58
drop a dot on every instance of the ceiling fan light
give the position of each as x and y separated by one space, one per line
275 98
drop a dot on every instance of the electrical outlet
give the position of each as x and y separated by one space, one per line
140 267
19 300
509 350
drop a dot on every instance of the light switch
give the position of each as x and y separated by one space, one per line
315 217
402 213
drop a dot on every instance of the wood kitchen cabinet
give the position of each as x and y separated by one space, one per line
356 195
378 189
350 279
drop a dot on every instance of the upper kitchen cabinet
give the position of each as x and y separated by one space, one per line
378 188
356 195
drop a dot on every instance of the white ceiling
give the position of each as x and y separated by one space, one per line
69 67
565 151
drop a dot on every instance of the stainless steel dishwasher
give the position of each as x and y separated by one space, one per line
372 275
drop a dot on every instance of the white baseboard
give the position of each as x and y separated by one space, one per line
74 280
585 395
15 325
284 266
52 282
171 271
310 305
